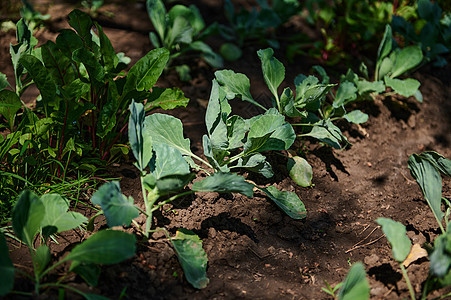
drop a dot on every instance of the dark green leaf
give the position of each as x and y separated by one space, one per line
141 145
347 92
328 133
27 216
6 268
230 51
289 202
109 57
104 247
42 258
118 209
173 183
439 161
385 45
89 272
9 105
82 23
145 73
224 183
57 64
192 257
68 42
256 163
169 98
396 235
95 70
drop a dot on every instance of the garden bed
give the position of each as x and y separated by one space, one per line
254 250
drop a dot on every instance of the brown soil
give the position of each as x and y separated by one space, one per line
254 250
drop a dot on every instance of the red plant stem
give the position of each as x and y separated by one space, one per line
115 140
395 6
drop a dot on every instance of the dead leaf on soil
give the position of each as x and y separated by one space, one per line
415 254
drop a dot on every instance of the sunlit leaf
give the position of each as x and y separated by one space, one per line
289 202
396 235
355 286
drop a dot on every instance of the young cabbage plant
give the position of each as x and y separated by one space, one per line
255 25
431 30
181 30
35 220
426 169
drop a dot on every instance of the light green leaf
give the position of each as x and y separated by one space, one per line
57 215
27 216
347 92
3 81
192 257
157 14
386 44
365 86
273 70
236 84
300 171
405 87
385 67
440 257
356 117
166 129
407 59
439 161
6 268
355 286
224 183
289 202
104 247
42 258
168 161
396 235
430 182
328 133
168 98
269 132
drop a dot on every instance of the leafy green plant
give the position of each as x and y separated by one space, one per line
181 30
257 25
354 287
309 102
429 28
35 221
426 169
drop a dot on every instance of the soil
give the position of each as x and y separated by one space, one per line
254 250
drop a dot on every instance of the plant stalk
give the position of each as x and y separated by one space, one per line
409 284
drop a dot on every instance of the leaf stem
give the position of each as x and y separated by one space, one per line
171 199
409 284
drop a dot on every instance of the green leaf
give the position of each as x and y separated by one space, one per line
346 93
57 215
6 268
173 183
386 45
230 52
27 217
57 64
168 98
439 161
365 86
109 56
68 42
141 145
9 105
396 235
157 14
356 117
441 255
430 182
168 161
192 257
385 67
308 90
41 77
355 286
236 84
82 23
407 59
117 208
95 69
256 163
3 81
224 183
42 258
166 129
406 87
269 132
104 247
273 70
145 73
89 272
289 202
328 133
300 171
